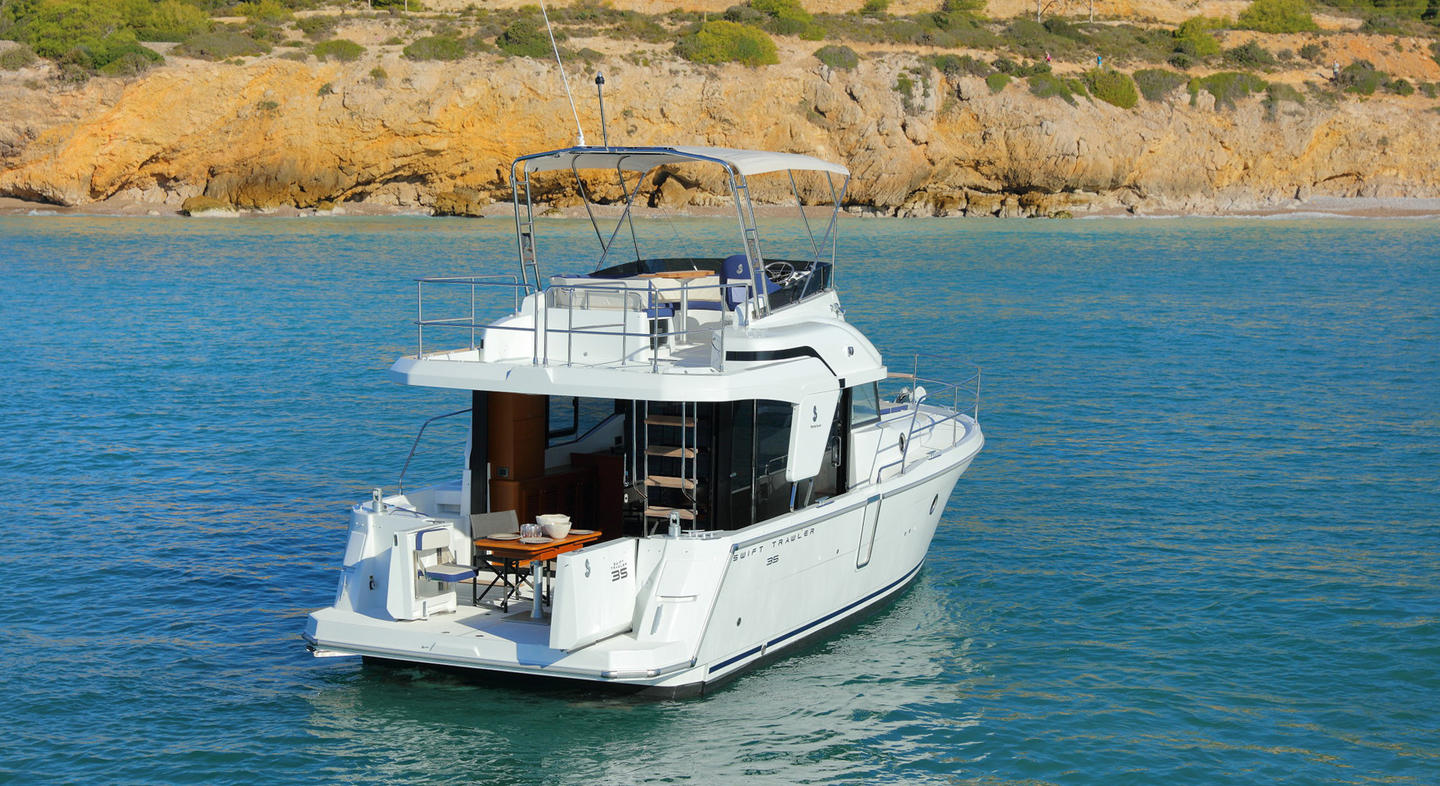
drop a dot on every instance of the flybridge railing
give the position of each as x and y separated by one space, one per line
656 304
908 403
476 285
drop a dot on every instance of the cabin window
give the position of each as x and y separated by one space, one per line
864 405
571 418
564 418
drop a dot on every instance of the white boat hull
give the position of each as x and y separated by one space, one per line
707 609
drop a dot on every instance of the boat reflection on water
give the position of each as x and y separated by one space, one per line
794 721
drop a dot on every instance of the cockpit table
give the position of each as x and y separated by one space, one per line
506 557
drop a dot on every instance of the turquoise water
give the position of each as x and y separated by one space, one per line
1200 546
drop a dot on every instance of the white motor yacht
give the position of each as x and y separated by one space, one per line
724 466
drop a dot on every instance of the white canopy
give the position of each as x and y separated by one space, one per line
744 162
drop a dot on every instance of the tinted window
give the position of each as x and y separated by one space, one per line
864 404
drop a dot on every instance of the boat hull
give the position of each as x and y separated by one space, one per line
776 587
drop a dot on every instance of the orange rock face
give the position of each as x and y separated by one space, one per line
277 132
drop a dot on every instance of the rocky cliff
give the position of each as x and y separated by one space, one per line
276 132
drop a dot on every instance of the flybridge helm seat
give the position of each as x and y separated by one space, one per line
735 274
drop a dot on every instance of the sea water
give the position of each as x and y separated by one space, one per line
1201 544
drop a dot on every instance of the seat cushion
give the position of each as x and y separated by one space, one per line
449 572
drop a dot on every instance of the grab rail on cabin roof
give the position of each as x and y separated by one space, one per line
650 297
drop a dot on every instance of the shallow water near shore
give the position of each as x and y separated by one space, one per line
1200 545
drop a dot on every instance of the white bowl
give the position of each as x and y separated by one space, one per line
554 525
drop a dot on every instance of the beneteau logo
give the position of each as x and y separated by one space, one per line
754 551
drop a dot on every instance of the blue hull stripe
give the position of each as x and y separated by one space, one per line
822 620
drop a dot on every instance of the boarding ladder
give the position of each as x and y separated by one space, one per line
670 495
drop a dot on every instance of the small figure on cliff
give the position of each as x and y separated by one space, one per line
1335 71
1098 60
1047 58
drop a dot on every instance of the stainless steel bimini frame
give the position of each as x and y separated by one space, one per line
738 164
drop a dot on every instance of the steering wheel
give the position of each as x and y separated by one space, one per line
779 271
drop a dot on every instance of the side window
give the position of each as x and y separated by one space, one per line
864 404
564 419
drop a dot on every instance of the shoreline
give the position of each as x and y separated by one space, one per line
1317 207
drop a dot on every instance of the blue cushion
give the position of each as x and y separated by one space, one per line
736 268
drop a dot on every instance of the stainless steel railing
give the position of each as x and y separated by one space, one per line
915 393
652 300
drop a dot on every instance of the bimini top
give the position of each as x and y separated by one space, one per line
743 162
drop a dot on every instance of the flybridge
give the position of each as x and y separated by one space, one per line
657 310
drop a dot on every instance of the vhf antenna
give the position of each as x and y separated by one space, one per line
578 130
600 90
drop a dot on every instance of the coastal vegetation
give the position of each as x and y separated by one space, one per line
85 37
723 41
907 75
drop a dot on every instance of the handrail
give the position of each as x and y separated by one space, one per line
647 296
971 385
416 443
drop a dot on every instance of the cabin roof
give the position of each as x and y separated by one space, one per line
744 162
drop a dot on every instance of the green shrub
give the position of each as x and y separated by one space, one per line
341 49
1250 55
1030 38
1400 87
379 74
721 41
1062 27
1007 66
1156 83
1430 89
1227 87
787 17
220 45
905 86
121 55
959 65
838 56
1193 38
1051 86
326 89
16 58
1181 60
997 81
1277 16
436 47
167 20
1360 77
263 11
1275 92
524 38
1112 87
1313 52
873 8
316 28
55 29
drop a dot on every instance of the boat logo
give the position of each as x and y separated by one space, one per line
587 568
814 414
619 570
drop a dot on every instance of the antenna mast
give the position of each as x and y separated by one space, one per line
565 80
